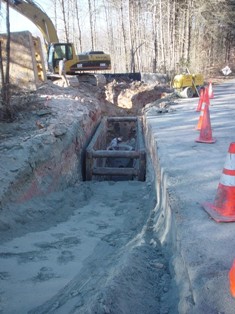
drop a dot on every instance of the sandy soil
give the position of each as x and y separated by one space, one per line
86 249
94 253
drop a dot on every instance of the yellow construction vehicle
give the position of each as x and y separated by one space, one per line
188 85
56 51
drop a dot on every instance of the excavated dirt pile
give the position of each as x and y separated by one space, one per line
133 96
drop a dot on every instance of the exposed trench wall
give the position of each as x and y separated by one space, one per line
164 221
51 160
55 162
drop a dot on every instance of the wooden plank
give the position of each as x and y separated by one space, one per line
121 119
89 166
140 138
142 166
114 153
97 133
114 171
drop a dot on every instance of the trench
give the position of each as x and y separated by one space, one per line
117 151
92 246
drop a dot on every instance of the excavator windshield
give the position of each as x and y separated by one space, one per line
57 52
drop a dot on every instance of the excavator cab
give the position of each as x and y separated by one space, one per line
89 61
57 52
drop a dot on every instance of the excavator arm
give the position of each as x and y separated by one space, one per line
34 13
56 51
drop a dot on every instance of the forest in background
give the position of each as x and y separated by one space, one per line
152 36
165 36
157 36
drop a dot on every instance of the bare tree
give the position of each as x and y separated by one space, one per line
7 112
131 34
124 34
65 19
78 24
91 24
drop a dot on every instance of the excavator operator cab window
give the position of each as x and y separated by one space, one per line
57 52
69 52
63 51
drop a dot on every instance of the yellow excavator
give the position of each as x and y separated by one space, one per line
56 51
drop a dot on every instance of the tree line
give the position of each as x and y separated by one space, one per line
152 36
164 36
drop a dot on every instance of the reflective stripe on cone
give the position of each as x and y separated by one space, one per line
199 124
223 209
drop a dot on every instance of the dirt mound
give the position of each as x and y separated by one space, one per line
133 96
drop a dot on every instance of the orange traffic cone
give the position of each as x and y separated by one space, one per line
210 91
199 124
223 209
206 99
206 132
232 279
200 101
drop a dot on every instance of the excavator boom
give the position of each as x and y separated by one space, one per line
35 14
56 51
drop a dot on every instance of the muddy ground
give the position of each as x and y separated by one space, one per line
87 247
93 253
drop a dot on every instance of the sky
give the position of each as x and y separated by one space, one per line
20 23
